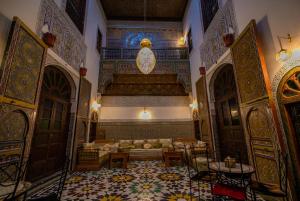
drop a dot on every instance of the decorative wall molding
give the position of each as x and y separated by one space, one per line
69 43
109 68
286 67
213 46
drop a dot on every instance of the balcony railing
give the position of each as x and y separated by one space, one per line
160 54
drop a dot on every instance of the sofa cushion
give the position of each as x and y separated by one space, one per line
167 145
88 145
156 145
126 144
138 141
178 145
152 141
125 141
200 144
166 141
147 146
139 146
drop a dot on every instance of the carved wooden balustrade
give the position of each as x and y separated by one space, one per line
122 61
160 54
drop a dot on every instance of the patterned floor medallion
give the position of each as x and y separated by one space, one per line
142 181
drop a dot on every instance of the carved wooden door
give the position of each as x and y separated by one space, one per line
254 89
48 148
230 131
20 75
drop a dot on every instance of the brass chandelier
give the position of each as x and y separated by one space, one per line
145 59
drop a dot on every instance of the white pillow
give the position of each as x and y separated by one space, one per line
138 141
165 141
152 141
125 141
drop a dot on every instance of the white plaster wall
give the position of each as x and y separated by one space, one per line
133 113
124 108
274 18
27 12
95 19
193 19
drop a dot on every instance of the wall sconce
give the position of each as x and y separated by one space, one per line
283 55
48 37
181 41
145 115
194 105
95 106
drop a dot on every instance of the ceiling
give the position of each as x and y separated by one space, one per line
157 10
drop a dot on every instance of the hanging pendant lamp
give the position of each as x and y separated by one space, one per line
145 59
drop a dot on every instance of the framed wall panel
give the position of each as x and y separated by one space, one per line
20 83
258 120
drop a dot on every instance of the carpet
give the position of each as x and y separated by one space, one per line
142 181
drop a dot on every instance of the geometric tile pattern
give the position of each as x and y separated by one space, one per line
142 181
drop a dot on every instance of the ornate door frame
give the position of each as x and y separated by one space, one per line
288 92
56 88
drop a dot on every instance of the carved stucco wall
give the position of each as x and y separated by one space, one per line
69 43
213 46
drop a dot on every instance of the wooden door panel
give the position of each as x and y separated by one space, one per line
253 91
230 132
249 75
20 85
52 124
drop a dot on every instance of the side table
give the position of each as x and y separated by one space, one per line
170 156
119 156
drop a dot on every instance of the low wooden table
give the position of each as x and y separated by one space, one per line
122 156
170 156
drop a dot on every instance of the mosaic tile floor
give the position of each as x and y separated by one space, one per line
142 181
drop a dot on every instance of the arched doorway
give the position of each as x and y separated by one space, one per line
288 95
231 139
50 137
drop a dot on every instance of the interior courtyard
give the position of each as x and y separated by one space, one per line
150 100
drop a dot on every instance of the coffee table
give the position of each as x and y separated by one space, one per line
119 156
170 156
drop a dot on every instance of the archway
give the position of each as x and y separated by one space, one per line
231 139
48 148
288 96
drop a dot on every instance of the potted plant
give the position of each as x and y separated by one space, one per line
228 38
49 39
82 71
